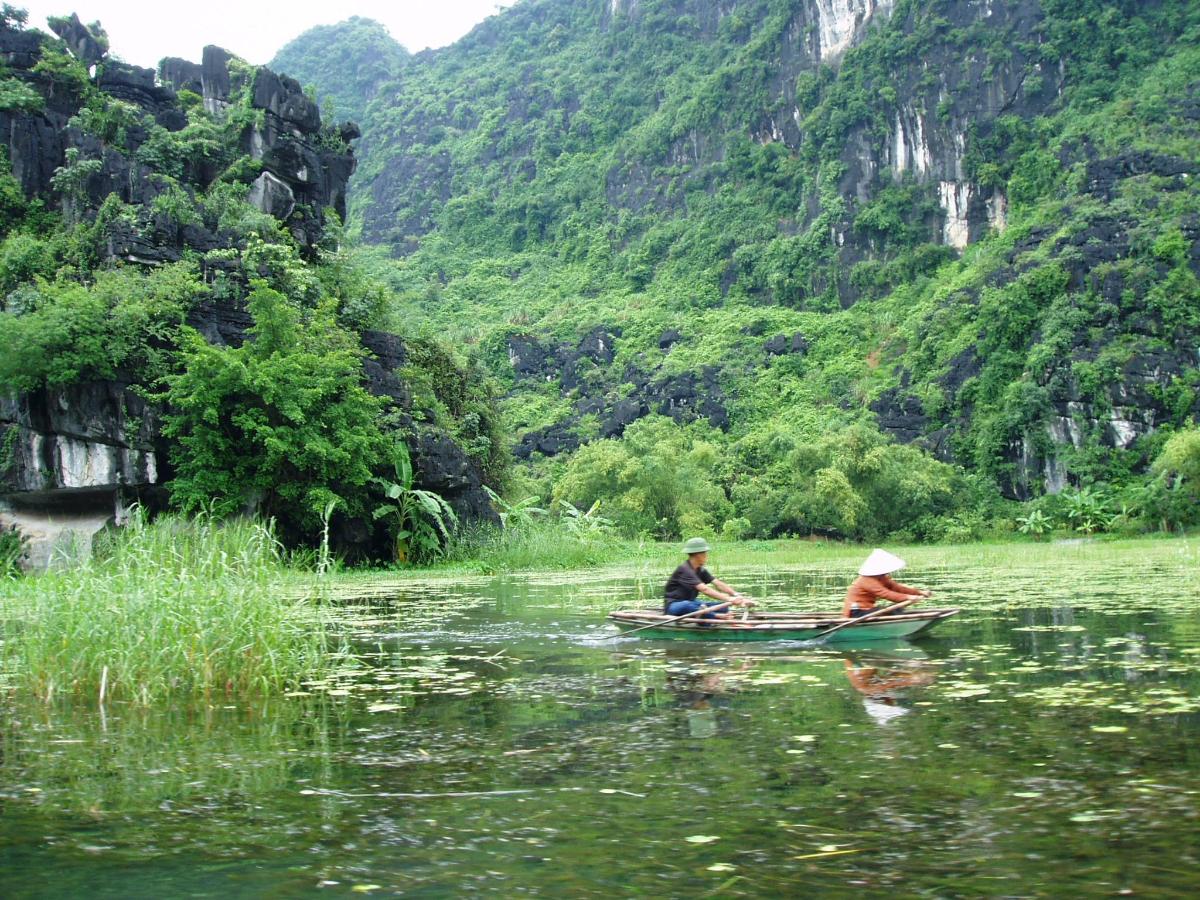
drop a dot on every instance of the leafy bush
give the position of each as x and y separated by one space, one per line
281 424
855 484
69 332
1086 510
1173 497
24 257
517 515
17 96
659 480
14 547
1035 522
421 521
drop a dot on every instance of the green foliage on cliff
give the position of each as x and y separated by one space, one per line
282 424
56 333
667 166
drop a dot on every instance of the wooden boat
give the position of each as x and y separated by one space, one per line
782 626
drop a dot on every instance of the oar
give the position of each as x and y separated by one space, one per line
861 619
698 612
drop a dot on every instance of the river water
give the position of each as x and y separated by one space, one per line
490 738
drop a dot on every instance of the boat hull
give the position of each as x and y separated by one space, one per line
784 627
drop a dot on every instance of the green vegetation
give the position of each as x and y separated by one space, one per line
540 547
180 607
280 423
61 332
635 172
1064 714
570 167
422 520
13 548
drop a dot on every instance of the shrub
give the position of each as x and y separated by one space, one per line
658 479
13 549
281 424
74 332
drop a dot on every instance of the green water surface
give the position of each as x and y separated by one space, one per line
491 739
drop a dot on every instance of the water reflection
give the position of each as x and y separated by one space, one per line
884 683
695 689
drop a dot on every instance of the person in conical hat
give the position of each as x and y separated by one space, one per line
690 579
875 583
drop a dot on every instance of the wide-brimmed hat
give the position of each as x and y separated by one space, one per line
695 545
880 562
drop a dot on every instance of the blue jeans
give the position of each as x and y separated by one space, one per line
683 607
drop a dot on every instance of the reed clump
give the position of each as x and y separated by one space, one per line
179 606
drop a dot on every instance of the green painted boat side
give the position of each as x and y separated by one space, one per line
882 628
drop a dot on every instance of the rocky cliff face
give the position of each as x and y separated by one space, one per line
81 454
853 122
939 101
305 168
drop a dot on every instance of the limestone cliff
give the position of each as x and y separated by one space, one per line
807 156
82 452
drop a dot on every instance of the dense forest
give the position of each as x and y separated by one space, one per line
771 267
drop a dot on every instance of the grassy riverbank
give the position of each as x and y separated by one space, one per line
177 607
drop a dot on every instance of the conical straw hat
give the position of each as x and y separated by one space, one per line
880 562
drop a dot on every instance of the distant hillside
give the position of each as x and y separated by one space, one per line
347 62
971 226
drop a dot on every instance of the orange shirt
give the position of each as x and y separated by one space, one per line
866 589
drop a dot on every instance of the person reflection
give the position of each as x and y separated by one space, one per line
883 683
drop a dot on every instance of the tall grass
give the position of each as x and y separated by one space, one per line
176 607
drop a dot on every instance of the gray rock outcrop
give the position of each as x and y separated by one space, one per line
72 459
293 147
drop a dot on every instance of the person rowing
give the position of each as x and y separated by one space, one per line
874 583
690 579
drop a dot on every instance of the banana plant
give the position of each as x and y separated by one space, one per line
422 520
1036 523
518 515
584 524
